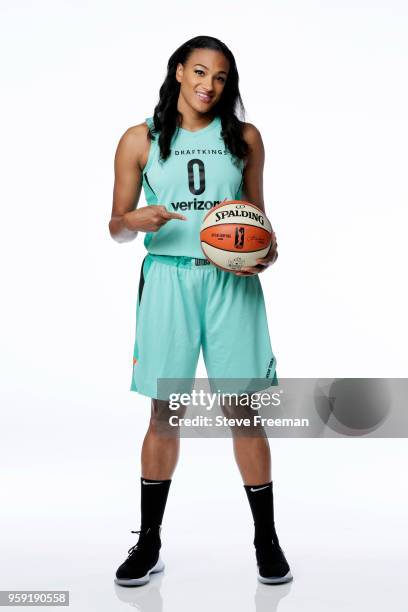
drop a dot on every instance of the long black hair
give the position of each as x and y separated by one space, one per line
167 118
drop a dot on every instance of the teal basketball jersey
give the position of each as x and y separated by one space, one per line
199 174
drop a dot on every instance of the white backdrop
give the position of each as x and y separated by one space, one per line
325 83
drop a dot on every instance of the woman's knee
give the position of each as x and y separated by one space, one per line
160 422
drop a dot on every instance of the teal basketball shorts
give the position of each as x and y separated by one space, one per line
185 303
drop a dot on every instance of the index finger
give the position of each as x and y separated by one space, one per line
172 215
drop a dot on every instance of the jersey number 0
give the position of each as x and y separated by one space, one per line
192 164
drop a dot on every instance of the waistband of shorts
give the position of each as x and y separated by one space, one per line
180 260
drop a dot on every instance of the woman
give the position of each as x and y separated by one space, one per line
191 155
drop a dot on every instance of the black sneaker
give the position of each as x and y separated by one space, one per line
272 565
143 559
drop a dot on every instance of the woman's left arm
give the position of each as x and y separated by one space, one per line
253 192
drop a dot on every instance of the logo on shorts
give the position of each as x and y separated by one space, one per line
134 360
268 372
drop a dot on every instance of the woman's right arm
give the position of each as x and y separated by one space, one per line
126 220
128 183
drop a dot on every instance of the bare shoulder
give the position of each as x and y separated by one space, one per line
138 130
251 134
253 138
134 144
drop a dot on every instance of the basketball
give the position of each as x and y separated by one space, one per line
234 234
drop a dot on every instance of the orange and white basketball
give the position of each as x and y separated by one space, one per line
234 234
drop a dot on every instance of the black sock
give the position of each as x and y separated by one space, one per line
153 501
260 499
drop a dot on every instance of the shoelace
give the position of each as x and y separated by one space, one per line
133 548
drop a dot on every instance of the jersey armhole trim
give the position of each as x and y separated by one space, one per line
152 146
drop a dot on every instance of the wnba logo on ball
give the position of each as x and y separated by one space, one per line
239 237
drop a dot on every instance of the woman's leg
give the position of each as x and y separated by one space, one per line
160 453
253 458
251 445
161 445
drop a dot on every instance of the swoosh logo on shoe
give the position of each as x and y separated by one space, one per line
254 490
144 482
